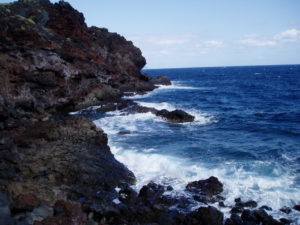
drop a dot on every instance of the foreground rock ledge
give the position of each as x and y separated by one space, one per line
66 160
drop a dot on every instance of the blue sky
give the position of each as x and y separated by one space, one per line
195 33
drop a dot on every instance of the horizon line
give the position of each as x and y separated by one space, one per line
162 68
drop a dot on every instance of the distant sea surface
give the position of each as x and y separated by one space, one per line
246 132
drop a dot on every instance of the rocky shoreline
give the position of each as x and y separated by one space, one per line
58 169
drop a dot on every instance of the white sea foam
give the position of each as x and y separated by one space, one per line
174 86
90 108
273 191
159 106
150 165
118 121
178 87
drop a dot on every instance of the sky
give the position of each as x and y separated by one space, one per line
198 33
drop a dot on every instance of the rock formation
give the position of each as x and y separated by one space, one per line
58 169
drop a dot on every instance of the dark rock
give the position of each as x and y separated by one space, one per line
234 220
124 132
70 209
205 216
265 207
127 195
249 216
236 209
25 202
176 116
161 80
258 216
297 207
250 203
151 191
222 204
90 167
286 209
210 186
285 221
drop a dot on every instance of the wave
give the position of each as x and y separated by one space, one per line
273 191
149 164
117 121
176 85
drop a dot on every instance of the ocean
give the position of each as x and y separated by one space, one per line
246 132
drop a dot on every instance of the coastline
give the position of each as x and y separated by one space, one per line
59 169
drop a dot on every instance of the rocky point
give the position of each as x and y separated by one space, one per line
58 169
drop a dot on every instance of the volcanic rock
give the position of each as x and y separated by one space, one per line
25 202
286 210
211 186
176 116
205 215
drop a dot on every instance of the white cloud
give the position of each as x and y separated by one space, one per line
254 40
291 35
257 42
167 41
214 43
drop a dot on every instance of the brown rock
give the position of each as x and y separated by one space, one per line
25 202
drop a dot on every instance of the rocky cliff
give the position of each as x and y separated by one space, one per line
56 169
51 63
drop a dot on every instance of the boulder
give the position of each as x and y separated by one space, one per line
176 116
25 202
204 216
211 186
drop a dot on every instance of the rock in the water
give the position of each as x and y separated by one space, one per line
161 80
211 186
286 209
250 203
265 207
297 207
176 116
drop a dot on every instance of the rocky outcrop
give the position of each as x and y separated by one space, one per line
58 169
50 60
66 159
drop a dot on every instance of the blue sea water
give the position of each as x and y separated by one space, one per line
246 133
